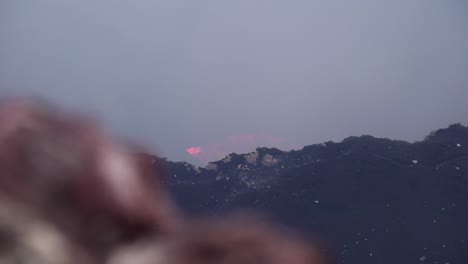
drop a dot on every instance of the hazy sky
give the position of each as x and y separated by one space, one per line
221 76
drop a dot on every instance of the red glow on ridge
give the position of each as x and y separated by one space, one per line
194 151
237 143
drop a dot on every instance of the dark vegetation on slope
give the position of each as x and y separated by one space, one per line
373 200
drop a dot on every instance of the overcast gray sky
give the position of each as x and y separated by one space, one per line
230 75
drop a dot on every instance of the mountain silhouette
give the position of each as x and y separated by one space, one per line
372 200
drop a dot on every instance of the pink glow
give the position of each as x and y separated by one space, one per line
194 151
240 143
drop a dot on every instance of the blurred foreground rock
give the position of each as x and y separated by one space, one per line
71 194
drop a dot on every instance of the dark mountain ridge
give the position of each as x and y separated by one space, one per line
374 200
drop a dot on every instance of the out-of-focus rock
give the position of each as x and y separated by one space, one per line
70 194
75 185
240 238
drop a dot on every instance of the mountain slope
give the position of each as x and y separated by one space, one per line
373 200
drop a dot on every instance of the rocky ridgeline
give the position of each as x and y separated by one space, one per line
374 200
